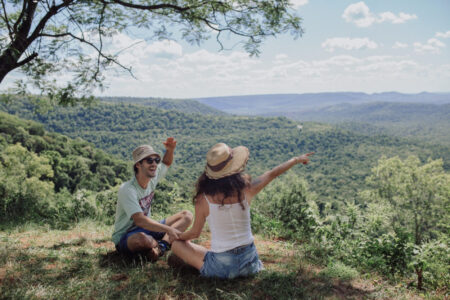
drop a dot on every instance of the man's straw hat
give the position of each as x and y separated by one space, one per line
142 152
222 161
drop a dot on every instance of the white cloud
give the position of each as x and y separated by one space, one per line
203 73
360 14
297 3
432 46
165 48
280 58
391 17
399 45
444 35
348 44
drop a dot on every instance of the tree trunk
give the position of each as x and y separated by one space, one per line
7 63
9 58
419 278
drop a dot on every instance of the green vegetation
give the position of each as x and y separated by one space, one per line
343 159
352 224
38 262
427 122
49 39
182 105
399 229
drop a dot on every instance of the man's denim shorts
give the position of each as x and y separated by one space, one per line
240 261
122 246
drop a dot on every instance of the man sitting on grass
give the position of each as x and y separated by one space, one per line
134 231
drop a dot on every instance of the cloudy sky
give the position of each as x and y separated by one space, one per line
369 46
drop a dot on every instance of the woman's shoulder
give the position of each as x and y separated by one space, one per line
200 199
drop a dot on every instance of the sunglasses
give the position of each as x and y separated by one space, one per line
150 160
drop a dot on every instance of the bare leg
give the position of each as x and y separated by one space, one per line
140 242
180 221
191 253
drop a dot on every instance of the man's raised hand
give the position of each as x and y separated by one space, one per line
170 143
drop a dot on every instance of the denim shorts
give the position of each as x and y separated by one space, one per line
122 246
240 261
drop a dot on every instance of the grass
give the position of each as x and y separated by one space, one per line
80 263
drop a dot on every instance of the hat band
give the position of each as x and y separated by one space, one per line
222 165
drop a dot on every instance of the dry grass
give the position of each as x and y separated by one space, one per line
81 263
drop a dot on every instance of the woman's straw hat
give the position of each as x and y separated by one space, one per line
222 161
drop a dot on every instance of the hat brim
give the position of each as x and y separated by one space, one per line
146 154
235 165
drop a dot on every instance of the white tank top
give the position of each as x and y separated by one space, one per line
229 225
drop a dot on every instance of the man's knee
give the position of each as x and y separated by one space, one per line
187 216
141 241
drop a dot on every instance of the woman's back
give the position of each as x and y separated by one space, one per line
229 224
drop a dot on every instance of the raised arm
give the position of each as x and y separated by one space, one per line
260 182
170 145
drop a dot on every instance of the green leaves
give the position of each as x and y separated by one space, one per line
418 193
67 37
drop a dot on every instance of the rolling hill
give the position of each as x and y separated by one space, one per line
282 103
342 161
183 105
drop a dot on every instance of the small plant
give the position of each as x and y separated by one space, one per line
339 270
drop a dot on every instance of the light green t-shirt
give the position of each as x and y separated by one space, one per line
132 198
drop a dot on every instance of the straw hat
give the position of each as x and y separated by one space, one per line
222 161
142 152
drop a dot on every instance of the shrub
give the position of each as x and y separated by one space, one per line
287 202
340 271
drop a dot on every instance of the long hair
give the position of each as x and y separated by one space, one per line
229 186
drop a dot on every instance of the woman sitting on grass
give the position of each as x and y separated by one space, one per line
223 197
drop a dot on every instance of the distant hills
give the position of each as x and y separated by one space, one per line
280 103
342 160
424 116
183 105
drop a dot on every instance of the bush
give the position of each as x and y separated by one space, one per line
106 202
338 270
433 258
287 202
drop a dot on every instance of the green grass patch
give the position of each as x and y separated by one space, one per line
81 263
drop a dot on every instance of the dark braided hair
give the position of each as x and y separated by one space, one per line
229 186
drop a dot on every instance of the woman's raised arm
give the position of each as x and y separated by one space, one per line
260 182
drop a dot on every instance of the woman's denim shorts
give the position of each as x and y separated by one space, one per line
240 261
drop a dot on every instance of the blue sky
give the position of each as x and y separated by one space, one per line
366 46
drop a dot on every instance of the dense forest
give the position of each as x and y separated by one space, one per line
428 122
183 105
343 159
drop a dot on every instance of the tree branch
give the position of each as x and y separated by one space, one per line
26 60
19 19
102 15
41 25
82 40
7 20
147 7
